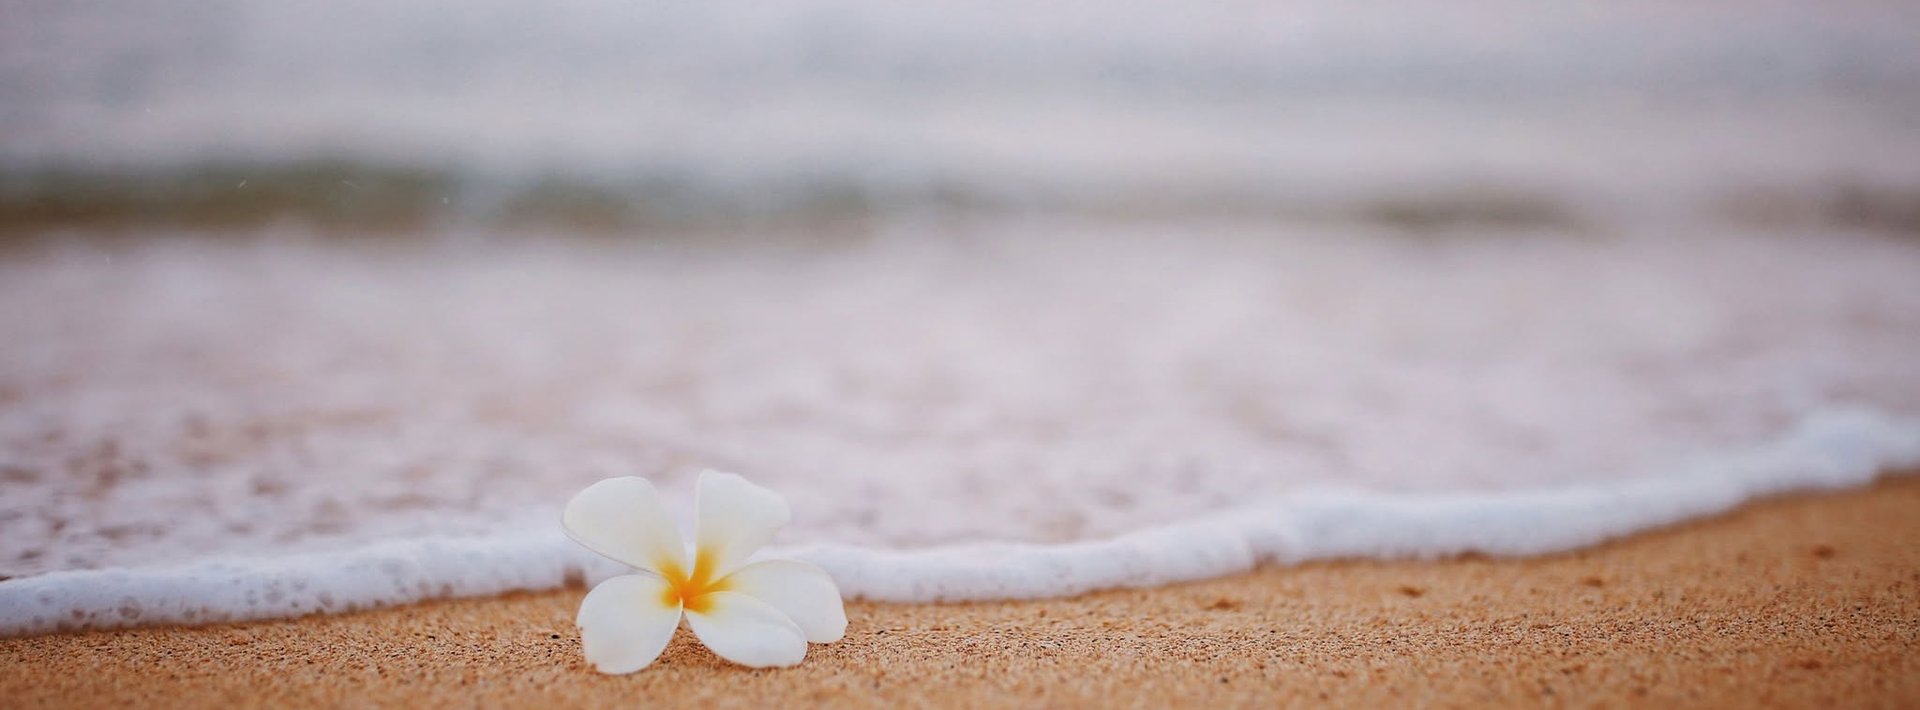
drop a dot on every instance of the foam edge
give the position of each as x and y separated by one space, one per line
1828 450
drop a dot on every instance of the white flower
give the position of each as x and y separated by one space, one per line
760 614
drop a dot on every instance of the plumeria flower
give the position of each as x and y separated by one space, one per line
758 614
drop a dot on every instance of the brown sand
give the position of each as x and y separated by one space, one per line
1806 601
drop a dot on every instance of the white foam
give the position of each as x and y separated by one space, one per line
1829 450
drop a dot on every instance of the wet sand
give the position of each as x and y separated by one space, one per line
1809 600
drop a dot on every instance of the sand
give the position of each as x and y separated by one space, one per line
1809 600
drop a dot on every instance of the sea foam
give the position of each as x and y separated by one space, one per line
207 429
1830 450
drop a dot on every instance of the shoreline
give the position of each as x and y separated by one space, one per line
1827 450
1798 600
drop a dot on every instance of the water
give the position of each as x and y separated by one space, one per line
322 306
650 114
318 406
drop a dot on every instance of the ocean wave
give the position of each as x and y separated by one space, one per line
1827 451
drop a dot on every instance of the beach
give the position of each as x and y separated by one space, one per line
1215 354
1809 600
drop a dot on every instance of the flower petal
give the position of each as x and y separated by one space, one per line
622 518
801 591
733 519
747 631
625 622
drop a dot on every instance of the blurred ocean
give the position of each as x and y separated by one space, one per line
1084 294
621 115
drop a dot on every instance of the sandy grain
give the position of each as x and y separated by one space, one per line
1804 601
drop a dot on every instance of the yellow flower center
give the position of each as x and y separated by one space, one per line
692 591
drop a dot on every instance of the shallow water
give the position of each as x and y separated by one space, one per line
183 399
